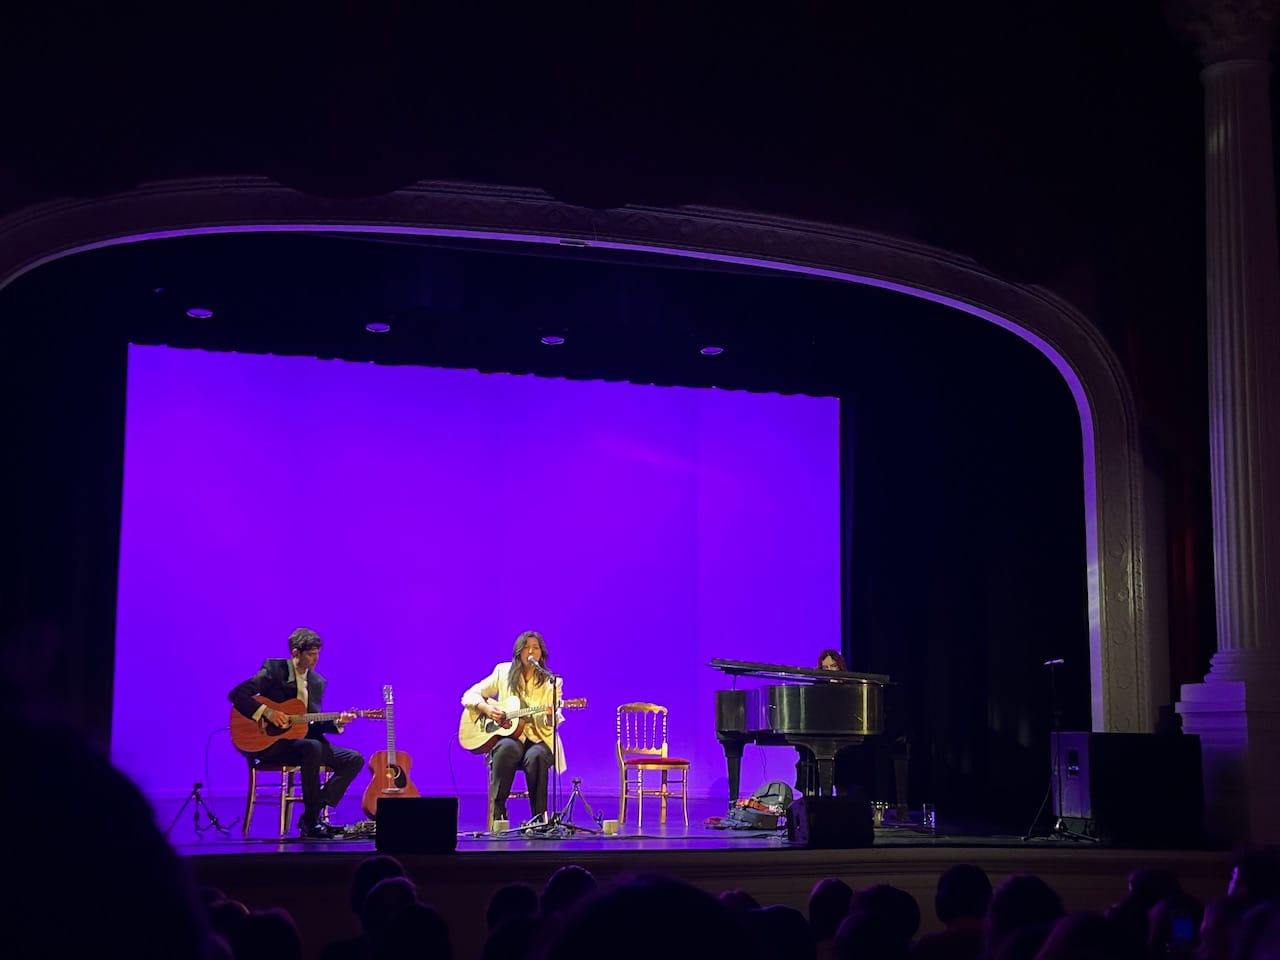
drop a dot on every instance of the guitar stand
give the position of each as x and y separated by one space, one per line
561 824
200 805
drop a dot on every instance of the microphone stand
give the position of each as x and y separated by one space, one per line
200 804
558 824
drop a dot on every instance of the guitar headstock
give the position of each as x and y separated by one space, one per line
387 696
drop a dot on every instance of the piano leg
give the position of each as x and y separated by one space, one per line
733 756
826 775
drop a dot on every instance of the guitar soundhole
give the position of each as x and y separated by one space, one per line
396 778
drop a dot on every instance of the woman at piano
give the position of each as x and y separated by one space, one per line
806 772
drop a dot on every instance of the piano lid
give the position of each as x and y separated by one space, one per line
744 668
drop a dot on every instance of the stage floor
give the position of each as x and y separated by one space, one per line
578 829
311 878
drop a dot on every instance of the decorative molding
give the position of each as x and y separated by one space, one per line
1126 696
1227 29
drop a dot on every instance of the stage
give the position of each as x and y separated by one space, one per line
310 878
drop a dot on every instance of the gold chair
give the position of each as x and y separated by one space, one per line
515 794
642 747
285 791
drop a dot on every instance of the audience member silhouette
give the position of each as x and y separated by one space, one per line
368 873
828 906
1220 927
515 938
739 900
267 935
781 931
1147 887
1173 928
383 902
608 922
1260 932
512 900
1022 943
1090 936
1022 900
1255 873
960 903
564 888
114 887
417 931
225 917
864 935
898 908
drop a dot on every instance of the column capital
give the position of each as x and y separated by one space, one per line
1227 29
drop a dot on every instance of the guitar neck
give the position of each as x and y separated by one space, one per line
320 717
391 735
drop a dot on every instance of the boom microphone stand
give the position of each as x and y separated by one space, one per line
1059 829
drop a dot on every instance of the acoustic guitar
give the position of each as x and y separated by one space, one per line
254 736
479 733
390 767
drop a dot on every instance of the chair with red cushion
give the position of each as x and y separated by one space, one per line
642 749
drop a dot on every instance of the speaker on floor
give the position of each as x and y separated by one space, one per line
830 822
1130 789
417 825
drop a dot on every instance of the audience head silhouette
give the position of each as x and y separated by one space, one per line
1022 900
828 906
963 892
604 923
267 935
564 888
512 900
103 914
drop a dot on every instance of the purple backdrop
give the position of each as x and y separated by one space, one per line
420 518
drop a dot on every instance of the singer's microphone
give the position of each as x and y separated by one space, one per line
1054 663
536 665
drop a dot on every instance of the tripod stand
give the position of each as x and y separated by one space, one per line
200 805
1059 829
560 824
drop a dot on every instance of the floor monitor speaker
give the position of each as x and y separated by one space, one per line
1130 789
830 822
417 825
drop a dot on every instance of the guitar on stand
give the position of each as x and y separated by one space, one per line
390 767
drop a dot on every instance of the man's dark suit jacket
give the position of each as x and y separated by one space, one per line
277 681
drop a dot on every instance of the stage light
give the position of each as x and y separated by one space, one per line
552 340
711 351
378 326
199 313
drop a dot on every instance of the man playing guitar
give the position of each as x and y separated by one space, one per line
279 681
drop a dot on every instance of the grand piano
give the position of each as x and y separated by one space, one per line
824 710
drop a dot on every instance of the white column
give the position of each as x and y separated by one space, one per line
1236 710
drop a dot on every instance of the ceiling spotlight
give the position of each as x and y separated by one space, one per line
711 351
199 313
378 326
551 340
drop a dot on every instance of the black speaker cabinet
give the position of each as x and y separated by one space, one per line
1130 789
417 825
830 822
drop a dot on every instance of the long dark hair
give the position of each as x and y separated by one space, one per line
515 679
834 655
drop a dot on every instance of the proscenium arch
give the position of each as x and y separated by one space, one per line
1127 682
